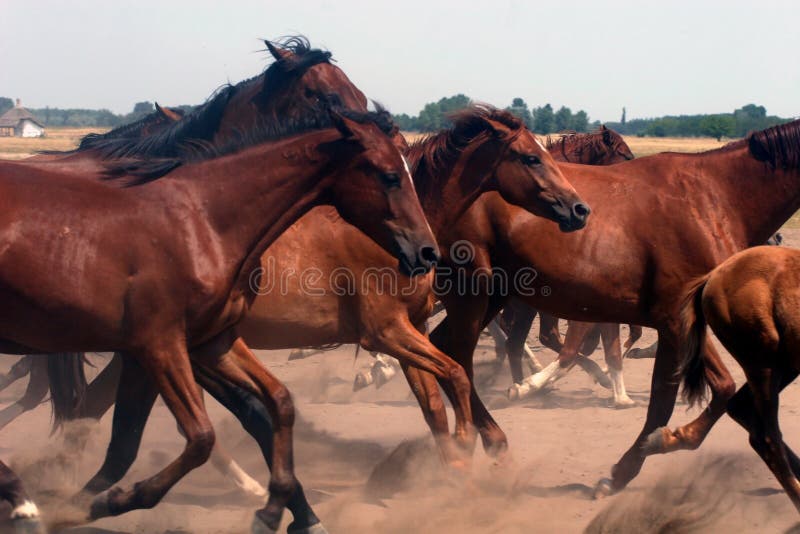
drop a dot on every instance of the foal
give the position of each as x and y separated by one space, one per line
752 303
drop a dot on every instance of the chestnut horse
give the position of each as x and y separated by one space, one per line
658 222
604 147
179 281
60 369
324 281
750 302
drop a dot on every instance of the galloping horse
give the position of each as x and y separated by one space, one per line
658 222
180 280
604 147
355 294
750 301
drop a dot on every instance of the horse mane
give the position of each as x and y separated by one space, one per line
197 150
436 150
779 145
203 122
573 144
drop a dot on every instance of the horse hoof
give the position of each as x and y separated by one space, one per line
603 489
513 393
313 529
360 382
259 527
621 404
654 444
29 525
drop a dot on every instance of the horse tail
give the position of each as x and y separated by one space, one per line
693 335
67 386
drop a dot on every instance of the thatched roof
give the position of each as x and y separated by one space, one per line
12 117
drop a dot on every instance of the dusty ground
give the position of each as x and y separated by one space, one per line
562 442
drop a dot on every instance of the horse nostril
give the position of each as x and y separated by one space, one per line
581 210
429 255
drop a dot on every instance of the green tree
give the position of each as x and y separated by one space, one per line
433 115
520 109
717 126
543 119
580 122
563 119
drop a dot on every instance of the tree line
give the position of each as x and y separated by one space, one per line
542 119
433 116
736 124
545 120
82 118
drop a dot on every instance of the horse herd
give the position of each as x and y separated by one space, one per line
160 241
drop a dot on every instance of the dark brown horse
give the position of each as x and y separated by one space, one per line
751 303
658 222
178 279
355 295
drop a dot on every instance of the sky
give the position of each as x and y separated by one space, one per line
655 58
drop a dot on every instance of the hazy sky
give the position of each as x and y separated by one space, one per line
656 58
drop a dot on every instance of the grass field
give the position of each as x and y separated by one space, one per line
56 139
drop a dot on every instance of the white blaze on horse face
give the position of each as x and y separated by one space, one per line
540 143
408 172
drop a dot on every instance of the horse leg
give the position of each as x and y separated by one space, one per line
691 435
613 352
240 367
634 334
517 336
591 340
558 367
134 401
468 319
426 390
171 372
742 409
24 513
499 338
549 335
20 368
663 392
765 437
402 341
102 391
37 389
251 412
647 352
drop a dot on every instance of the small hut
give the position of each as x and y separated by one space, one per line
19 122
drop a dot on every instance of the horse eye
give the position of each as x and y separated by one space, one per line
391 180
531 160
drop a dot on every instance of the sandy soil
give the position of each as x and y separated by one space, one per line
562 442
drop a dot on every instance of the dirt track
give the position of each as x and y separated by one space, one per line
562 443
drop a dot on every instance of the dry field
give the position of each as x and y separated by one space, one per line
56 139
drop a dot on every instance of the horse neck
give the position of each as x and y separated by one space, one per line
457 183
252 197
758 199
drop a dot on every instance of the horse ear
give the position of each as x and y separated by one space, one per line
169 114
498 128
343 124
606 135
276 51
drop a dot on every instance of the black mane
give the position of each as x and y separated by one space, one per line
779 146
194 151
